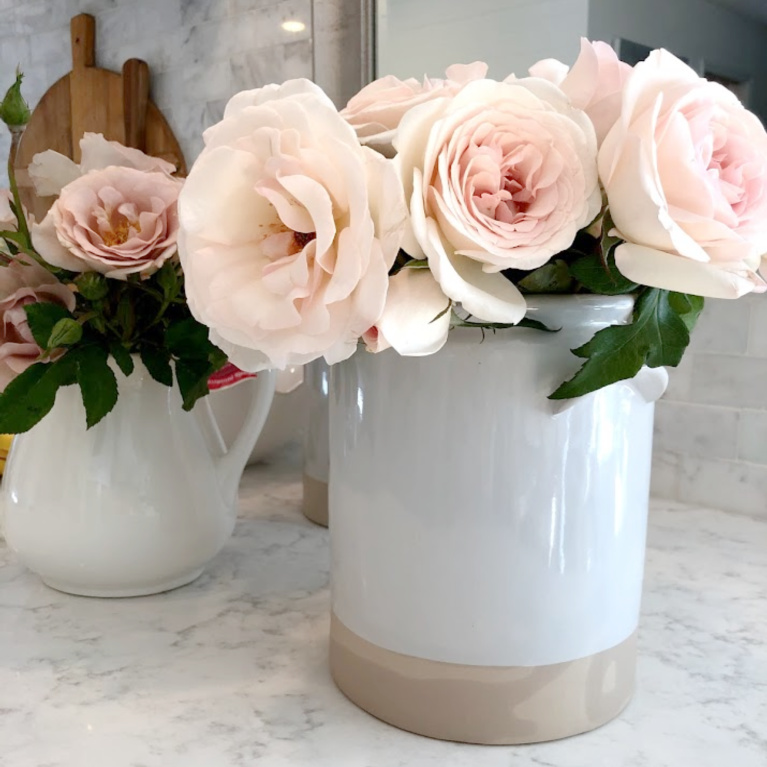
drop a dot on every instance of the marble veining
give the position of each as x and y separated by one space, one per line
231 671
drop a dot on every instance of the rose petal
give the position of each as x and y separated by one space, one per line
490 297
411 321
237 212
669 271
97 153
549 69
51 172
47 244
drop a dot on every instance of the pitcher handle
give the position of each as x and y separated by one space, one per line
231 462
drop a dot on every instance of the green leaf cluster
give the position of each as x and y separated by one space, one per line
119 319
657 336
661 322
143 316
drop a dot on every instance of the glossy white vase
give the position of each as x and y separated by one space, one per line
316 443
136 505
488 543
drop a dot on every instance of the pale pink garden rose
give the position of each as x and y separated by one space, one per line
416 319
376 111
117 221
51 172
594 84
501 176
288 230
22 284
685 171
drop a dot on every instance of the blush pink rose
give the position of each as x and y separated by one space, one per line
500 176
594 84
685 171
376 111
22 284
288 230
117 221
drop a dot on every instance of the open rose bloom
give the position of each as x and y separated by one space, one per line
112 227
295 243
685 171
116 213
289 230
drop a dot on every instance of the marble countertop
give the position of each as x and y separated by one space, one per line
231 670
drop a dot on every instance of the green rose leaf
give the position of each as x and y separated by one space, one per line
122 357
525 322
601 276
687 307
216 358
416 264
608 240
188 339
92 286
97 381
168 279
29 397
657 336
157 361
553 277
66 332
192 376
126 315
43 317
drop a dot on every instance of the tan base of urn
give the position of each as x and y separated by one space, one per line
316 500
483 704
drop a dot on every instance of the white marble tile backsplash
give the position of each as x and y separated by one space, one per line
711 425
200 52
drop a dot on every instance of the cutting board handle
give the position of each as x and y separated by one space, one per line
83 31
135 102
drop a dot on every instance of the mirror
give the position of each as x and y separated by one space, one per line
414 38
417 37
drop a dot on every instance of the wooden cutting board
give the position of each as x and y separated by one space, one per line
91 99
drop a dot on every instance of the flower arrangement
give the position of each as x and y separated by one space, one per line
423 206
96 284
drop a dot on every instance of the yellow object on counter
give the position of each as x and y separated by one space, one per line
5 446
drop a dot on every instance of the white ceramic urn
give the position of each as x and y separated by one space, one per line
488 543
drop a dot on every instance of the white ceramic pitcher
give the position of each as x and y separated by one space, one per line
136 505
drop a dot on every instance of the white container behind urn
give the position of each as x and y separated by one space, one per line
316 443
286 424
